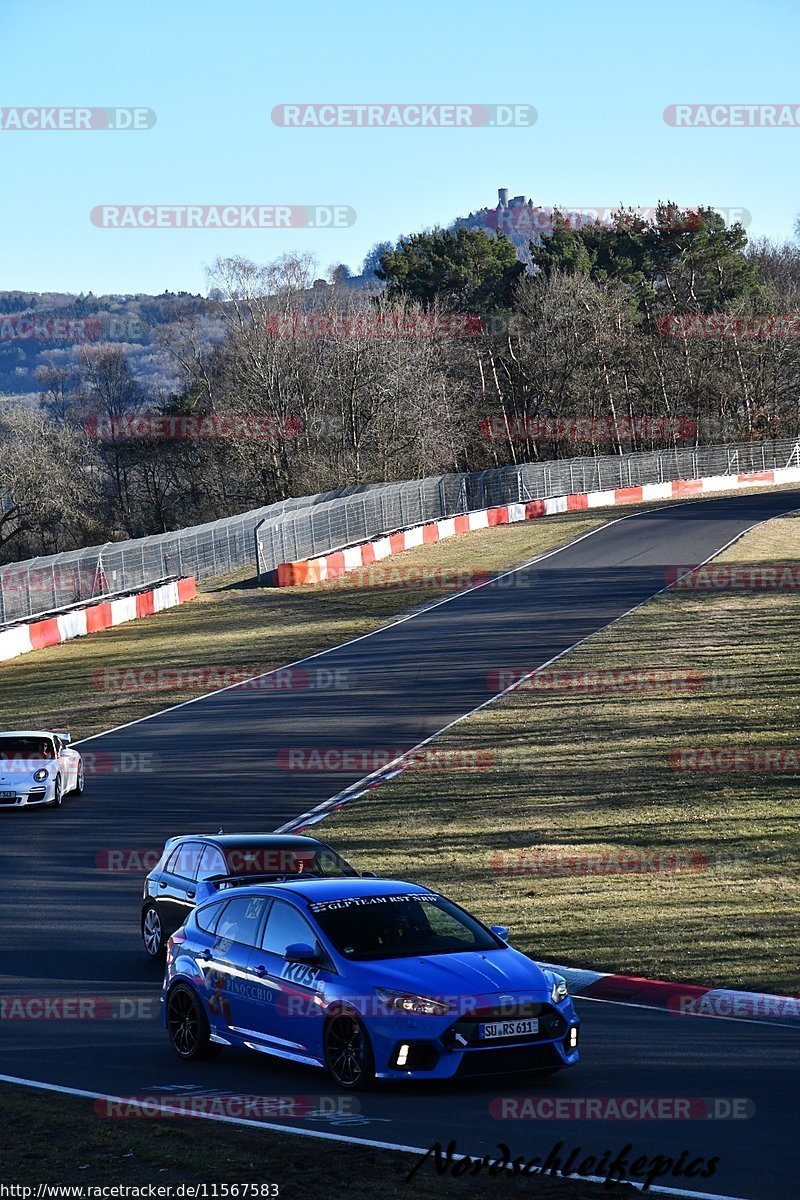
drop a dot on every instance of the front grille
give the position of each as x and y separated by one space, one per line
463 1034
509 1060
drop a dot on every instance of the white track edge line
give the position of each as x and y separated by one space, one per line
330 1137
417 612
342 797
410 616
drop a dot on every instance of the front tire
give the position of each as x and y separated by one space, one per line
57 797
80 782
348 1053
187 1025
152 932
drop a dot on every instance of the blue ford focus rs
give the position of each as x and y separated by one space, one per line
370 978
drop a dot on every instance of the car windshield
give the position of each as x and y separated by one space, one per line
26 748
402 926
286 860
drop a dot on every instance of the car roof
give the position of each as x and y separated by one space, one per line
254 840
26 733
332 888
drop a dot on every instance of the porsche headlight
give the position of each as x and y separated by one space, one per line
407 1002
40 775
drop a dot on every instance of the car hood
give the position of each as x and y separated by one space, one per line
475 973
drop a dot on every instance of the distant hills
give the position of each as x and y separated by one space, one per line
49 329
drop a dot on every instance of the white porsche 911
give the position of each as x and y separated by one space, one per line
37 768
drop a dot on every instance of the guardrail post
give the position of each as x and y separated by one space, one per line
259 570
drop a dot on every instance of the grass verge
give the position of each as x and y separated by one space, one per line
586 837
60 1139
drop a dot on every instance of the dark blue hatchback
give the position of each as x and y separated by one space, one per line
195 866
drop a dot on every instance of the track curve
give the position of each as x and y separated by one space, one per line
70 928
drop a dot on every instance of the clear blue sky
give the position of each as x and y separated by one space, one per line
599 76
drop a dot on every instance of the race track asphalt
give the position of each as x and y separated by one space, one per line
70 927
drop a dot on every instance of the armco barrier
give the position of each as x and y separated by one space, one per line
77 622
349 558
72 624
15 641
123 610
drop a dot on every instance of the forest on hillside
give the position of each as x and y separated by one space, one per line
454 356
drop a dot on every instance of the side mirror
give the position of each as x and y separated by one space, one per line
301 952
369 874
66 738
501 931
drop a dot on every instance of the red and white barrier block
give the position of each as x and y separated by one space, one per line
91 618
683 999
330 566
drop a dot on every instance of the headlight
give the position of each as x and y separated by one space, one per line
406 1002
40 775
558 987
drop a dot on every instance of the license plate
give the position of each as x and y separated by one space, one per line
8 795
507 1029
